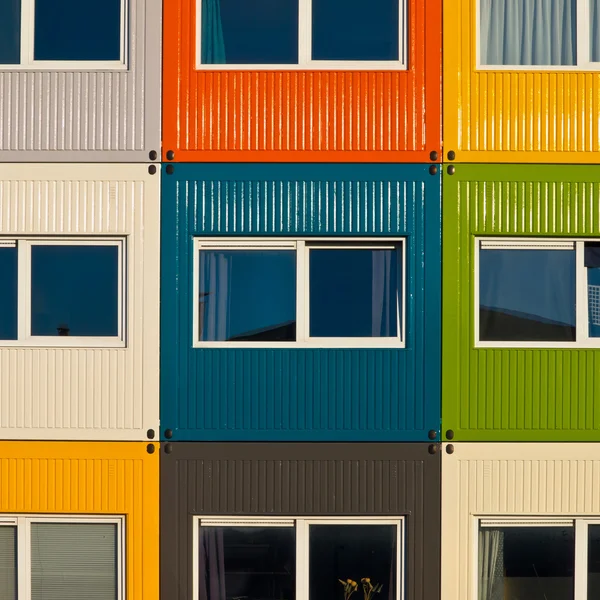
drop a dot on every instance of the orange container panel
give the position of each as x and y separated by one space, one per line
513 116
95 478
302 115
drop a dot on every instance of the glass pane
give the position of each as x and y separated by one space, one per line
8 563
73 561
343 557
592 264
74 290
595 30
10 32
355 30
527 295
75 30
239 32
593 562
354 293
528 32
249 563
536 563
247 295
8 293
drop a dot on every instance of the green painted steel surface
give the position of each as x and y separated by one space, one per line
523 394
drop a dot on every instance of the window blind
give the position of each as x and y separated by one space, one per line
8 563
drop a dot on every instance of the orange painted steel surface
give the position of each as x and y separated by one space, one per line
302 116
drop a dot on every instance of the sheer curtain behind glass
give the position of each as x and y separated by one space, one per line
8 564
73 561
528 32
491 564
213 45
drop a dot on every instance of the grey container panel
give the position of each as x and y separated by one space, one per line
321 479
88 116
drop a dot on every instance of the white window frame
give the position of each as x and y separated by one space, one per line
302 247
579 524
23 524
305 48
302 526
583 340
28 62
24 336
584 51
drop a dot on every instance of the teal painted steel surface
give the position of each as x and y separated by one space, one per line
304 394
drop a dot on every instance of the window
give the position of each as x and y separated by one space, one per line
537 293
64 35
303 292
298 559
301 34
61 558
553 34
63 292
538 559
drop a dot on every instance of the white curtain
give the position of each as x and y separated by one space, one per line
528 32
491 564
381 325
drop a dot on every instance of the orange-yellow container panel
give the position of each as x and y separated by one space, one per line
95 478
302 115
514 116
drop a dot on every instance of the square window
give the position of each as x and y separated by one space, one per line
74 290
72 30
537 293
303 293
355 30
10 32
62 292
46 557
354 292
301 34
523 561
555 34
8 292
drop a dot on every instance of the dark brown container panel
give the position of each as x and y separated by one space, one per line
296 480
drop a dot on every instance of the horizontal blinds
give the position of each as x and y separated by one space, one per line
247 523
8 563
229 245
529 245
526 522
8 243
74 561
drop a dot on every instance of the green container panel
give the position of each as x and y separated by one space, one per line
520 394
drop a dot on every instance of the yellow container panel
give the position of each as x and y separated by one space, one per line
514 116
96 478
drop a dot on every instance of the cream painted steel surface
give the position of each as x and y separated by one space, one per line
88 115
75 393
508 480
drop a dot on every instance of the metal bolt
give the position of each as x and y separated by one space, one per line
153 154
451 170
152 169
150 448
451 155
170 169
170 155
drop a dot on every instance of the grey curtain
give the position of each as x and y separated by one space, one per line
491 564
212 564
381 311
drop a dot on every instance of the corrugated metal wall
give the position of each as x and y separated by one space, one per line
86 393
313 116
514 394
83 116
91 478
303 394
296 480
508 479
513 116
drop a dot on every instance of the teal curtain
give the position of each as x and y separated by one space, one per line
213 44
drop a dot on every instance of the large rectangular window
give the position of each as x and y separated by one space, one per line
63 34
537 293
298 558
538 559
552 34
301 34
62 292
61 558
302 292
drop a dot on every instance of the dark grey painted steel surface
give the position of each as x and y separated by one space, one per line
274 479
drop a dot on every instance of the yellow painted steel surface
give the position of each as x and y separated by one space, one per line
513 116
99 478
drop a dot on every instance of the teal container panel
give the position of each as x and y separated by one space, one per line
301 394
